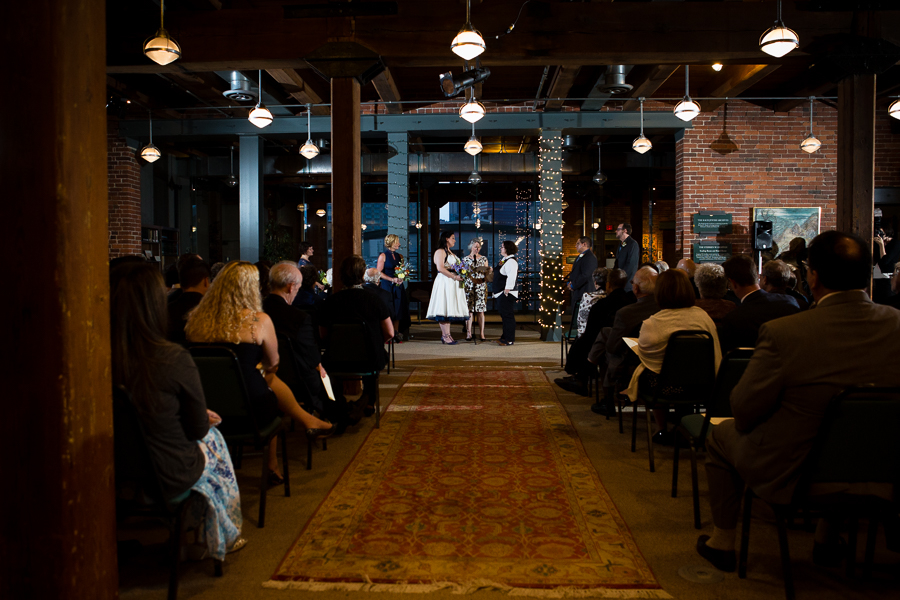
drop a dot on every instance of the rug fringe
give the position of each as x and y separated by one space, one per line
468 587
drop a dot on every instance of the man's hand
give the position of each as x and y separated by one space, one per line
322 372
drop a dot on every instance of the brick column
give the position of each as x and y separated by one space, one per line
124 194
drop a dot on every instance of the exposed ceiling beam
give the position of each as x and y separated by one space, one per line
654 81
738 81
817 90
141 98
560 85
298 89
387 91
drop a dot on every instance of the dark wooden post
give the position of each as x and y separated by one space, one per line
57 447
346 182
856 155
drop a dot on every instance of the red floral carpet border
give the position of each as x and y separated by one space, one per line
476 480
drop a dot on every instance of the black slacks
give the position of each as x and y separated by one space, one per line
505 306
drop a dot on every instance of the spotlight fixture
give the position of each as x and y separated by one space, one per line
641 144
894 109
778 40
717 67
810 144
232 180
472 111
687 109
309 150
599 178
468 43
150 153
473 146
260 115
320 212
452 86
162 49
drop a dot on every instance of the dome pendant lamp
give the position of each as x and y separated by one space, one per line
162 49
778 40
473 146
260 115
894 109
810 144
309 150
150 153
468 43
641 144
472 111
687 109
475 178
599 178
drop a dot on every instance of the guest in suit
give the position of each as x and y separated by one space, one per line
709 279
775 279
800 363
740 327
581 279
505 292
307 298
628 253
194 276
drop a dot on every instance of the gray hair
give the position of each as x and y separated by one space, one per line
283 274
372 276
477 240
710 280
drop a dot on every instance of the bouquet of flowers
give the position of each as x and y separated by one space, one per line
402 271
323 278
462 271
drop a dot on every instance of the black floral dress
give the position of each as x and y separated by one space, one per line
475 291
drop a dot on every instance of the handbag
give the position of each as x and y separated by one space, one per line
488 273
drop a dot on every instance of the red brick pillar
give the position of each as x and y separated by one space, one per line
124 195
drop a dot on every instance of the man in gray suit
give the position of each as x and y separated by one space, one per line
581 279
800 362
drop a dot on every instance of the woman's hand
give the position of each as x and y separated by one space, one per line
214 419
397 280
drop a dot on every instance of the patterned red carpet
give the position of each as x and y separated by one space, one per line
475 480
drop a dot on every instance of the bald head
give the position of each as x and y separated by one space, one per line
285 280
372 275
644 282
688 266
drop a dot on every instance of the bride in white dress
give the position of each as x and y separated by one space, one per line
448 298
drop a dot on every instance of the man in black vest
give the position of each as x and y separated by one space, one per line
628 252
581 279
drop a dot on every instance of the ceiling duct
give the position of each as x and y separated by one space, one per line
241 90
570 143
614 82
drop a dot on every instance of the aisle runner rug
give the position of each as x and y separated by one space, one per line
476 480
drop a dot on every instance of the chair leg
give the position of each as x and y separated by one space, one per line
377 404
745 534
284 463
634 426
562 352
788 575
695 491
175 552
390 348
647 412
217 567
263 487
676 434
309 445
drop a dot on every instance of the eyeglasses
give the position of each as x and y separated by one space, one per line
620 229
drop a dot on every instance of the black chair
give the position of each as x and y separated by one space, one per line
686 378
695 427
138 488
857 443
569 336
351 354
289 373
391 355
226 394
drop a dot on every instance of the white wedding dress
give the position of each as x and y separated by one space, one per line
448 300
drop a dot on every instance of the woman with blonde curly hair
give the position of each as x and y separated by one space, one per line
387 263
230 315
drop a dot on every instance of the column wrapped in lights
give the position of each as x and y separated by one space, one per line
473 146
260 115
162 49
687 109
150 153
641 144
468 43
810 144
309 150
778 40
551 227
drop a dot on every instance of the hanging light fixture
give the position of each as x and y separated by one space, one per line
320 212
894 109
309 150
472 111
810 144
475 179
162 49
778 40
717 67
232 180
595 225
599 178
468 43
687 109
150 153
363 225
641 144
418 225
260 115
473 146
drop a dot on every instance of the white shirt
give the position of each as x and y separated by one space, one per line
510 269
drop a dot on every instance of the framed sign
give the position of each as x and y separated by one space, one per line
719 223
790 222
706 252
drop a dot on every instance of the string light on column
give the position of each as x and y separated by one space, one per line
551 227
641 144
810 144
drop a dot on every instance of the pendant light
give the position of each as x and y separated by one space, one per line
150 153
687 109
309 150
778 40
472 111
894 109
599 178
641 144
473 146
260 115
810 144
162 49
232 180
475 178
468 43
717 67
320 212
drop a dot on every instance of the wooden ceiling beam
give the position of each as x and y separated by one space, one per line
298 89
142 99
387 90
560 85
736 82
654 81
803 96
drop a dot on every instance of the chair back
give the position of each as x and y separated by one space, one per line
689 365
313 316
350 349
224 388
730 372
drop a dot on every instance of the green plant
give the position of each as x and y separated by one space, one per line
278 243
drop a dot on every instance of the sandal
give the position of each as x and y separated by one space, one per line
275 479
237 545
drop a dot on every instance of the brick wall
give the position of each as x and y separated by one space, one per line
759 164
124 195
887 149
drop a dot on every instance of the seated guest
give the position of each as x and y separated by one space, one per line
709 279
230 314
188 451
675 297
306 381
602 314
214 270
690 267
307 297
352 305
800 363
739 328
372 285
776 279
173 287
589 298
609 350
194 278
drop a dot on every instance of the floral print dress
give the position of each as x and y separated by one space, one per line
476 292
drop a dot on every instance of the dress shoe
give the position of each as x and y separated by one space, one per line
607 410
320 434
723 560
504 343
452 342
576 387
829 555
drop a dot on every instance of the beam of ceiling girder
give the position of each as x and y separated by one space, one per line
737 82
658 76
298 89
387 91
560 85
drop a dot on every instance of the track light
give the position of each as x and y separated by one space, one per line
472 111
778 40
452 86
260 115
810 144
687 109
150 153
641 144
468 43
894 109
473 146
599 178
309 150
162 49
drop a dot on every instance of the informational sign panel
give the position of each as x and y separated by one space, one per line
715 252
712 223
